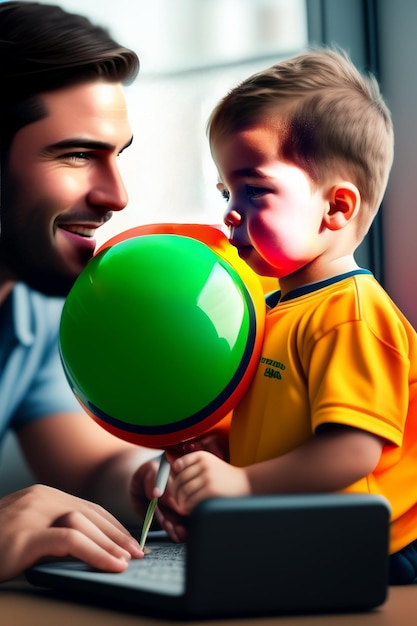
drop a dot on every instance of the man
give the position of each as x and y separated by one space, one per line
63 125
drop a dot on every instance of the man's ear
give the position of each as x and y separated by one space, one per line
344 202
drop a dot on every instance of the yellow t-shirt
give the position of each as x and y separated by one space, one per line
338 351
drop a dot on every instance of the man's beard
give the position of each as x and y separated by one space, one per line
28 266
49 282
49 285
24 261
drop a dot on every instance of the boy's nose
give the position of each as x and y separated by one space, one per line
232 218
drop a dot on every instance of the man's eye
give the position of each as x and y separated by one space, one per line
76 156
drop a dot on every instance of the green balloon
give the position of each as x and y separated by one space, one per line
156 334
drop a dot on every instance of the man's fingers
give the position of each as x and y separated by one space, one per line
102 532
41 522
64 542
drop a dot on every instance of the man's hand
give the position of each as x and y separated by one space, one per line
42 522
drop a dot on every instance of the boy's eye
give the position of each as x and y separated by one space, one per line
251 191
255 192
225 194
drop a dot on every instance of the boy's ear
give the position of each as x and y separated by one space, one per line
344 203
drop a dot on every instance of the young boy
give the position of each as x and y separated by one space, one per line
303 151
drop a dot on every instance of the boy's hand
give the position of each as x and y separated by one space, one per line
214 441
168 514
142 491
200 475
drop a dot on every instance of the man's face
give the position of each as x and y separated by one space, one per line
60 183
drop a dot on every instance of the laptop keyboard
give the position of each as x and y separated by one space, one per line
162 569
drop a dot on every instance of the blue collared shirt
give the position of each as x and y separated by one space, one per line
32 381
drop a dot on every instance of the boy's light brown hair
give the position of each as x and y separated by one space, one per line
329 117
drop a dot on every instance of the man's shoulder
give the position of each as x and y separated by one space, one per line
35 316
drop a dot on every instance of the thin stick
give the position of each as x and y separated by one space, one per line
161 481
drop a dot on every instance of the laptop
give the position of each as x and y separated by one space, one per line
253 556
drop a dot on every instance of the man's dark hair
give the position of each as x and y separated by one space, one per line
43 48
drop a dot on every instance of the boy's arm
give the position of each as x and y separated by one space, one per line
336 457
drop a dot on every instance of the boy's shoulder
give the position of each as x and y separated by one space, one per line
356 297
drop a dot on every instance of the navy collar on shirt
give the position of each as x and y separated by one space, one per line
273 298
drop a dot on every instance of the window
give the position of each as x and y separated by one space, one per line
191 53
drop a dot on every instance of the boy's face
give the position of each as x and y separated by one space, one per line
61 183
274 211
